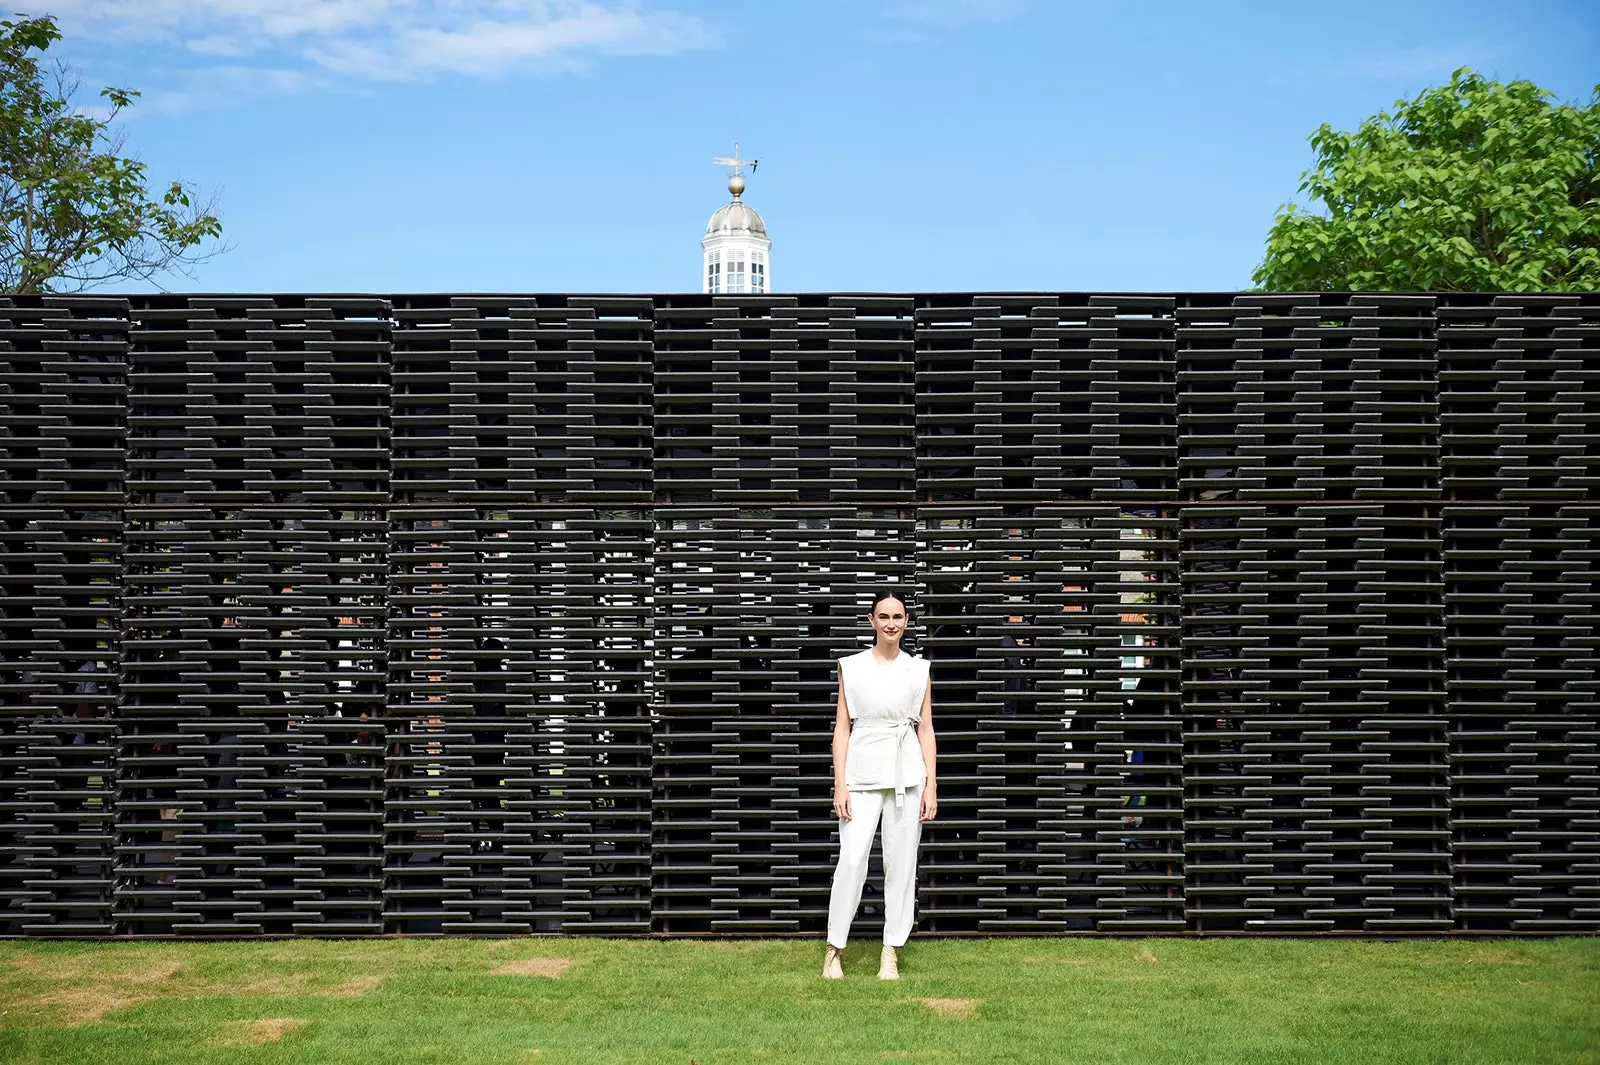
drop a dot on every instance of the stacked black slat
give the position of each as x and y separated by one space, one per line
610 615
60 881
1248 612
258 455
1525 799
1052 627
750 614
209 828
783 444
1519 403
1518 410
517 793
63 383
1312 584
1241 624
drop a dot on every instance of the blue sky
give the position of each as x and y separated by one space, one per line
540 145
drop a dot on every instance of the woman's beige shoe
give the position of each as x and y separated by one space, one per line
889 964
832 967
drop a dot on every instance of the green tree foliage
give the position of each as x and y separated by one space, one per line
1475 185
75 212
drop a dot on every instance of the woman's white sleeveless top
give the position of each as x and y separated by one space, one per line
885 702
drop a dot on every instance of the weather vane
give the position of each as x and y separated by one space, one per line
736 176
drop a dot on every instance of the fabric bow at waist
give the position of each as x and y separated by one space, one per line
899 729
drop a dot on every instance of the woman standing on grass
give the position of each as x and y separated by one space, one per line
883 774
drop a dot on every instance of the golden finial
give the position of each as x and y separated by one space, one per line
736 178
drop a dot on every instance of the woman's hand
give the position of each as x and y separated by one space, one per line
841 803
930 802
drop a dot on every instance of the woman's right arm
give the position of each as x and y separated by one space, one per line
841 747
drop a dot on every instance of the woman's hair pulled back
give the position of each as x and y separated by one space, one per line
890 592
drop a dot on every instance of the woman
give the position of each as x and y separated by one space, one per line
882 775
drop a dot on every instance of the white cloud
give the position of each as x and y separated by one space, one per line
219 45
951 13
257 23
301 42
207 88
493 45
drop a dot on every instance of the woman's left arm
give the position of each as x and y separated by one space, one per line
930 753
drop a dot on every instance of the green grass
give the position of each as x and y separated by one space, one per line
1140 1002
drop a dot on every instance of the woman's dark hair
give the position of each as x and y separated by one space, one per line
889 593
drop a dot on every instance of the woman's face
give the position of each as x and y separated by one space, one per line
889 621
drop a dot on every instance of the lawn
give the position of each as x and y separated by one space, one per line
565 1001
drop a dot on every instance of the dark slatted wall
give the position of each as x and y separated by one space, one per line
345 615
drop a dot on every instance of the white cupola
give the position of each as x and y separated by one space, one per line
736 251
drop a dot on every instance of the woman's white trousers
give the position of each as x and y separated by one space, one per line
902 830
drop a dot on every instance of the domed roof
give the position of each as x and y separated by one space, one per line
735 219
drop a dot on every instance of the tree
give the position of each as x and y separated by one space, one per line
75 212
1475 185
